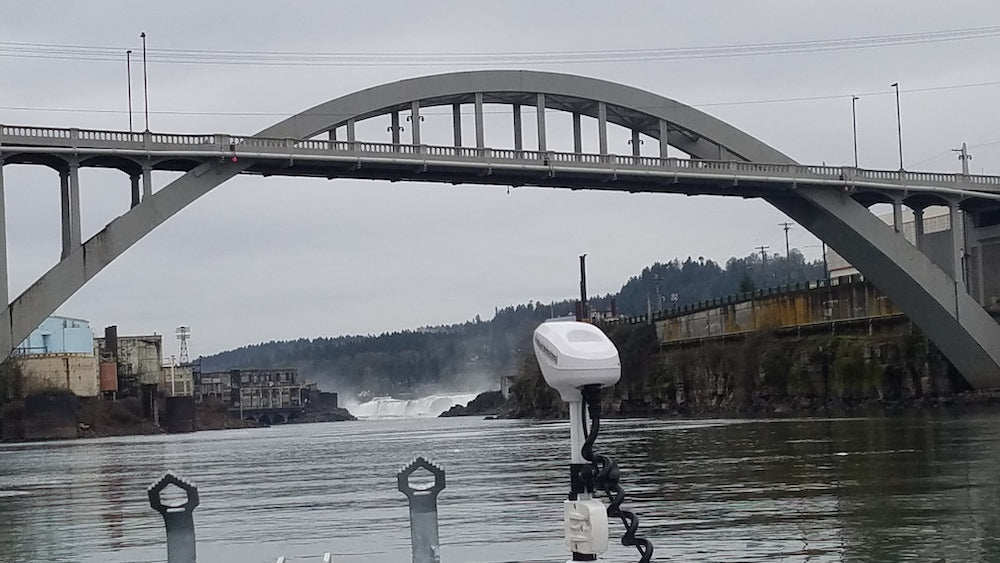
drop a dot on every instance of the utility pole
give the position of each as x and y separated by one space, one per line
763 253
788 256
659 300
581 314
763 257
965 157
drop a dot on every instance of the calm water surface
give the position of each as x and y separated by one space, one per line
881 489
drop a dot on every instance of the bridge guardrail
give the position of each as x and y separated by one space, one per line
80 138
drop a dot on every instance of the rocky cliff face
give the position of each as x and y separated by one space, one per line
761 374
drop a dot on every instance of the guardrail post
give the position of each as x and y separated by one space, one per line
179 519
423 510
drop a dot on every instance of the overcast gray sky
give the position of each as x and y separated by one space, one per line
271 259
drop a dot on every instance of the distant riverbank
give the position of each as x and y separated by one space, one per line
764 375
62 415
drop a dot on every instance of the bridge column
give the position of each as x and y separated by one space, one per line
480 125
518 133
415 122
69 188
577 134
602 128
4 291
74 190
394 127
969 242
332 134
897 215
456 123
64 210
956 241
918 227
540 105
636 141
147 180
135 188
350 133
664 140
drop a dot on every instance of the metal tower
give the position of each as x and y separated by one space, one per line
183 334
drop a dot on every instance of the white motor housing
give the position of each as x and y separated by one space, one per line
586 523
573 354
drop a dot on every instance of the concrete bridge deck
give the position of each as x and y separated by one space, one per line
361 159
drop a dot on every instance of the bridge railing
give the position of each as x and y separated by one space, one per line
152 142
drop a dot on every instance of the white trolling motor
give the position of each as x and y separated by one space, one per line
577 360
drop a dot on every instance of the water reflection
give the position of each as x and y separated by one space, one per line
880 489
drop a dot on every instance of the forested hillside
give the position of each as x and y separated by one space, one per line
471 356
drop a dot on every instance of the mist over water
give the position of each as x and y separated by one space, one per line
389 407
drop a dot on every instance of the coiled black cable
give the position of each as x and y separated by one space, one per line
608 474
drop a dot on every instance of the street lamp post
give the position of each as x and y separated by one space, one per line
128 74
899 125
145 84
854 121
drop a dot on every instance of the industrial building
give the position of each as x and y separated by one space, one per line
177 380
59 335
137 361
254 388
58 356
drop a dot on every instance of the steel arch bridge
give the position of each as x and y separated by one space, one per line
831 202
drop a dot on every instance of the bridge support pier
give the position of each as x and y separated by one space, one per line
518 132
136 197
918 228
456 123
480 127
4 288
540 105
394 127
577 134
602 129
415 122
69 191
147 180
957 243
664 135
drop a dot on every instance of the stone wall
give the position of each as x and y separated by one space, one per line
763 373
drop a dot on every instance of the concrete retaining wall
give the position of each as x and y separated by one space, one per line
76 373
179 415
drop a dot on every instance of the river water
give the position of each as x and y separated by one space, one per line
921 488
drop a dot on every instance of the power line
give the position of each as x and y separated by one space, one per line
407 59
498 112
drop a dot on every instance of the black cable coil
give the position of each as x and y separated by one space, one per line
608 474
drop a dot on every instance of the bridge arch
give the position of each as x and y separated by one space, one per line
931 297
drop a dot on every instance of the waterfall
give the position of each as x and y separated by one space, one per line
429 406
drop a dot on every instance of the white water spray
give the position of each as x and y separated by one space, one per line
429 406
